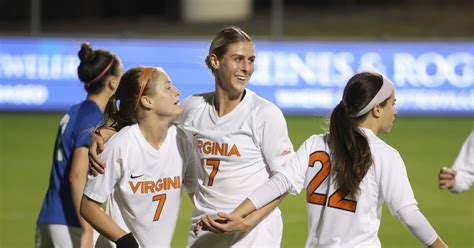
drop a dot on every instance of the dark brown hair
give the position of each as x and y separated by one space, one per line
93 71
221 41
126 95
351 156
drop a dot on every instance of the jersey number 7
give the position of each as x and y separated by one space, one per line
337 199
161 202
215 168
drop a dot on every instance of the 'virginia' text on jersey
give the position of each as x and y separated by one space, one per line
214 148
156 186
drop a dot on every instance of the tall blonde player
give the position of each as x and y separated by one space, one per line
148 160
348 174
241 139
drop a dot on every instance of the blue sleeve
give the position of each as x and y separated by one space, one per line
85 124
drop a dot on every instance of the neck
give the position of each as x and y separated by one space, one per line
225 102
154 129
370 123
100 99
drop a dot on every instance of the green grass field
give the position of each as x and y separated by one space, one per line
426 144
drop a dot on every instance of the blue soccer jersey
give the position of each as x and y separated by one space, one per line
75 131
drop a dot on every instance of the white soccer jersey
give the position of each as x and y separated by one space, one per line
238 152
464 165
146 183
336 220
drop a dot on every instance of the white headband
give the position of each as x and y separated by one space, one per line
385 92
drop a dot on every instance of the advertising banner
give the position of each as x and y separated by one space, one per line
301 77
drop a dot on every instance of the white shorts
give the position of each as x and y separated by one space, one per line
55 235
267 234
48 236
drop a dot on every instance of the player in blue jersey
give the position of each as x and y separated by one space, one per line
59 224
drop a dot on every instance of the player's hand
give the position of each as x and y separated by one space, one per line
207 224
446 178
99 137
226 223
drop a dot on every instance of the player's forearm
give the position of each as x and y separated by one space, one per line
77 192
258 215
418 225
78 176
439 243
276 186
92 212
244 209
77 187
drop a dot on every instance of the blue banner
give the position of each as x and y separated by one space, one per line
431 78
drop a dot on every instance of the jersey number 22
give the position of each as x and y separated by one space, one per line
336 199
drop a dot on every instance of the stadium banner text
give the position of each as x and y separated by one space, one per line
301 77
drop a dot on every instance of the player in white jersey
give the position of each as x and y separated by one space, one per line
238 152
240 138
148 160
348 174
460 177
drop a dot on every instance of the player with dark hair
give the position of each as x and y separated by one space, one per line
348 173
59 223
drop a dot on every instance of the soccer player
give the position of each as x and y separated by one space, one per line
148 161
240 138
460 176
59 223
348 174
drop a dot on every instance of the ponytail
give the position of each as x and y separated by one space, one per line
350 151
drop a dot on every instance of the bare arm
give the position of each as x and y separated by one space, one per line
78 178
99 138
439 243
92 212
256 216
244 217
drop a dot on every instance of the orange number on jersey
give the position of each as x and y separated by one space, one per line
322 174
215 167
161 202
336 200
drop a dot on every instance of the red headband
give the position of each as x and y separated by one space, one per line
102 73
146 75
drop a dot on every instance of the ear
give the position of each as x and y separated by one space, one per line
146 102
112 83
214 61
377 111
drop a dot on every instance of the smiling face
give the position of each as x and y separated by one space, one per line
388 113
234 69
